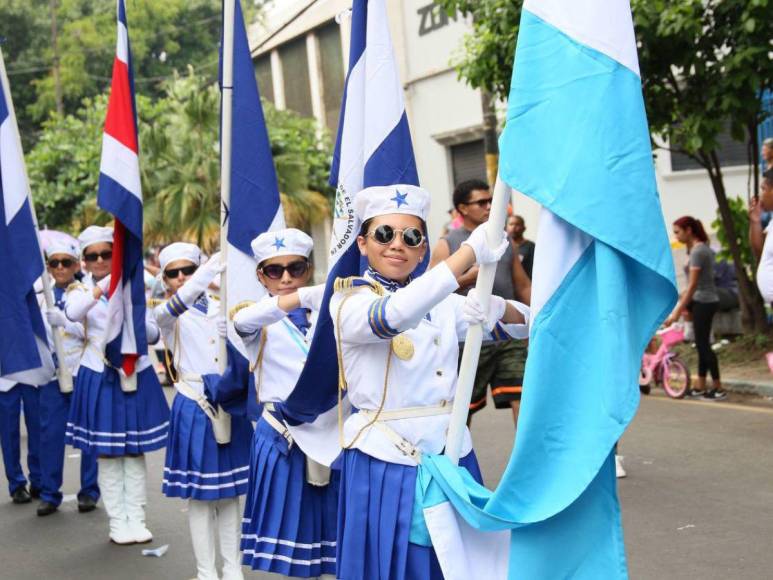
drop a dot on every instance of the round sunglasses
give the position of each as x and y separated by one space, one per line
384 234
175 272
276 271
94 256
64 263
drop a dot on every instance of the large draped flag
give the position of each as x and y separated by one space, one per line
120 194
373 147
24 354
254 208
603 281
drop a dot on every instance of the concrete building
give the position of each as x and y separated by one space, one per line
301 55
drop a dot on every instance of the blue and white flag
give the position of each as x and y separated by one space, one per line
603 282
373 147
120 193
254 208
24 354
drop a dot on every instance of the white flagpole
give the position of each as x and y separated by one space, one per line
474 338
225 155
63 373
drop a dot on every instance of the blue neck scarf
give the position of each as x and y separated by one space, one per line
300 318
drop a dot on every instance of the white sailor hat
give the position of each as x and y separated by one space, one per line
55 242
179 251
286 242
95 235
386 199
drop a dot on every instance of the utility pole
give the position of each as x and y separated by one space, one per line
55 67
490 136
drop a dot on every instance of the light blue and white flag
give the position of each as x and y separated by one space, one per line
255 205
373 147
24 354
603 282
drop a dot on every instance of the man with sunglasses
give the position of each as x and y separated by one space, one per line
290 510
62 254
201 466
502 363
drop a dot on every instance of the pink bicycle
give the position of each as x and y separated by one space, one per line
664 367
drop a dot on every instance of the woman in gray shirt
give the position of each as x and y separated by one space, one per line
702 300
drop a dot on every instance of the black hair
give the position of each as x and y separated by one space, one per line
463 190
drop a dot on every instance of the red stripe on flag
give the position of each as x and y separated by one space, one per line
119 123
116 268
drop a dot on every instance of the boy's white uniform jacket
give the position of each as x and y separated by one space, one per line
78 308
192 339
73 339
427 380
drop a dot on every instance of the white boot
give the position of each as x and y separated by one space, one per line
134 472
229 524
110 479
201 519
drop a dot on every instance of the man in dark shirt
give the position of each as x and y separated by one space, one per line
516 227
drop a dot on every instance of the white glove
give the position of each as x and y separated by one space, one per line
56 317
472 312
222 327
311 296
104 284
200 280
484 254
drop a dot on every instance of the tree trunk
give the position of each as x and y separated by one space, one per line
490 144
751 301
55 68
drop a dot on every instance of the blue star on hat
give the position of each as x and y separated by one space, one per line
279 243
399 198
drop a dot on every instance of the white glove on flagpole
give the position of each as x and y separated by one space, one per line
200 279
472 312
222 327
56 317
483 253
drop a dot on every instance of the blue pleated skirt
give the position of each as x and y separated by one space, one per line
289 526
105 420
196 466
374 520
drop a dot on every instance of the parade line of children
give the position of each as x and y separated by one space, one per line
397 337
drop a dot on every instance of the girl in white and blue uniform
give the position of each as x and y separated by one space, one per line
289 524
63 261
106 415
397 341
210 474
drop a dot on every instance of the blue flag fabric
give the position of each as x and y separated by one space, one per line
603 282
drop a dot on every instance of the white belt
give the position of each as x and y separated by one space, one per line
220 420
276 424
403 445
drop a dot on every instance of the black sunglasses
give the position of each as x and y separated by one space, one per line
65 263
175 272
481 203
276 271
384 234
94 256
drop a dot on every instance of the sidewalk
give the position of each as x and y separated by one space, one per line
747 386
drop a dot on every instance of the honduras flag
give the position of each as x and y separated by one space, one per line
603 281
255 208
373 147
24 354
120 194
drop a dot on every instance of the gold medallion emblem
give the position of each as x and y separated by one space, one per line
402 346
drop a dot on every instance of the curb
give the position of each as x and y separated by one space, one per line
759 388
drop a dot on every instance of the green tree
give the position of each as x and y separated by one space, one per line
704 65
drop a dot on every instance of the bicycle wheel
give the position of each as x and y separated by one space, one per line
676 378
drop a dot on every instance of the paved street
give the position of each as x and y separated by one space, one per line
698 503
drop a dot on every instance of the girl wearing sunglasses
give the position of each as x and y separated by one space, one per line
117 417
202 466
397 337
290 511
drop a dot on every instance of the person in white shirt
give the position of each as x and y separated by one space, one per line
397 340
290 511
120 418
205 463
762 242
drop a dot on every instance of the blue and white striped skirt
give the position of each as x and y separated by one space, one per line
105 420
289 526
197 467
374 522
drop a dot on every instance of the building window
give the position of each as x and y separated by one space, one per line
263 74
730 152
295 70
331 61
468 161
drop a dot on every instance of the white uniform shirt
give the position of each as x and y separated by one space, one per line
197 351
765 269
6 385
78 301
427 379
